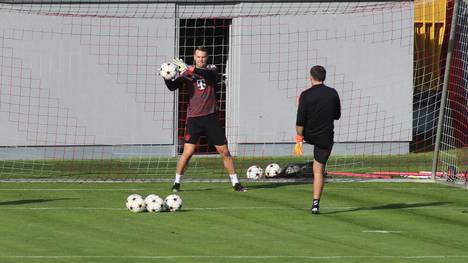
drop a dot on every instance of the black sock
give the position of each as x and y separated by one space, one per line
316 203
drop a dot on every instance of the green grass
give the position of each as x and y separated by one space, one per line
200 167
41 222
205 167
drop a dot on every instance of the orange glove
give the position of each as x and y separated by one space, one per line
298 151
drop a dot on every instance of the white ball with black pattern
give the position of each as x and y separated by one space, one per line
173 202
168 71
154 203
254 172
272 170
135 203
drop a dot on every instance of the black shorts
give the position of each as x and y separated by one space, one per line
205 125
321 155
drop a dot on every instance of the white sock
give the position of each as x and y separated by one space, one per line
234 179
178 177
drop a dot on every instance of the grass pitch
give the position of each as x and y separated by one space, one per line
209 167
360 222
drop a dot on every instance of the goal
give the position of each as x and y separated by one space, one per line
80 98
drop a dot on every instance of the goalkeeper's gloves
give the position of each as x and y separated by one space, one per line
181 66
298 151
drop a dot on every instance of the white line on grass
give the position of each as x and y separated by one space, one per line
118 209
238 257
331 188
381 231
84 189
354 209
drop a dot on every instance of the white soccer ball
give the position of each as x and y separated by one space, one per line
168 71
272 170
154 203
133 197
135 203
173 202
254 172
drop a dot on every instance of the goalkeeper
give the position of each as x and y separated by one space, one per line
318 107
202 117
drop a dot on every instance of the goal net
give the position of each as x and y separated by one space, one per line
80 98
453 155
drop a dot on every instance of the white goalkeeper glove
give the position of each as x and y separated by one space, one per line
181 66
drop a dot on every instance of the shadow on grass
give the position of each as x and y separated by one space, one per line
32 201
274 185
189 189
389 206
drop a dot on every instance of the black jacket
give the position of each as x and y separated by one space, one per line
318 107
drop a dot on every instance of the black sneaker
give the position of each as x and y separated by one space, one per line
175 188
315 210
239 188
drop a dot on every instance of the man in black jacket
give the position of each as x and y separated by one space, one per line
319 107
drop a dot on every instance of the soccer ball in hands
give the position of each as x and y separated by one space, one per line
173 202
135 203
272 170
168 71
154 203
254 172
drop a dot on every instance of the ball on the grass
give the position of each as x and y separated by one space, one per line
272 170
173 202
254 172
154 203
135 203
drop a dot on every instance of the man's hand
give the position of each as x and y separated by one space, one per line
181 66
298 151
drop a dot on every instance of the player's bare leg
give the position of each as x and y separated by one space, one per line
182 164
318 169
189 149
227 158
318 179
229 165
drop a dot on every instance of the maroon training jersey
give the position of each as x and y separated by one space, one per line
203 97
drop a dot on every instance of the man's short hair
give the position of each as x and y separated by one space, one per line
201 48
318 73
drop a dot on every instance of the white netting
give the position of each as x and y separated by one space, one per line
80 97
454 147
